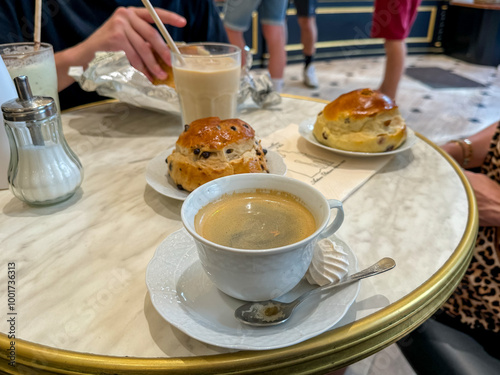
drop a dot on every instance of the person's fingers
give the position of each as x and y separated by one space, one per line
144 37
161 50
143 51
129 29
135 59
165 16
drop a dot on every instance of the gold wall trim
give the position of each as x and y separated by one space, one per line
432 22
344 10
255 33
357 42
367 41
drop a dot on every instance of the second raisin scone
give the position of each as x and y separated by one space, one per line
363 121
210 148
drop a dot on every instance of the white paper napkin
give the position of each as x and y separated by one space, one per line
336 176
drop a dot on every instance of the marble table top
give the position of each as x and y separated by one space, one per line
80 265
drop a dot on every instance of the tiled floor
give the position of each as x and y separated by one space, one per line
389 361
438 114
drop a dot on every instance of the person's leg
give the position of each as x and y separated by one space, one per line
308 34
235 37
275 40
237 18
273 30
395 52
393 27
306 18
308 38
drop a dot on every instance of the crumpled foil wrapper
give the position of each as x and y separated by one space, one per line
111 75
259 87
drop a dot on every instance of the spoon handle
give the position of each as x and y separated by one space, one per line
384 264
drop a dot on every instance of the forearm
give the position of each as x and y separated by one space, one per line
487 192
480 144
74 56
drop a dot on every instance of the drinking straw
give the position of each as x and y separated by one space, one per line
34 129
38 19
162 28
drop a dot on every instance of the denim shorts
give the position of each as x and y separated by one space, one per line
238 13
305 8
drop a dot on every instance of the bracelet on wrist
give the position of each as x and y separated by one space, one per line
466 147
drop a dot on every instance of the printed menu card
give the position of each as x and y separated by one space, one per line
337 176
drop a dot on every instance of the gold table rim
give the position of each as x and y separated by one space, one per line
331 350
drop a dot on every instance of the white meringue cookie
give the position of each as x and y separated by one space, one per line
329 263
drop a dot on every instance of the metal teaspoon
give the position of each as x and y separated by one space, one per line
271 312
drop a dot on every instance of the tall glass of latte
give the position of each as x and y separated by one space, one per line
207 80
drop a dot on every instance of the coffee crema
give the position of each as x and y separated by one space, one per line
263 219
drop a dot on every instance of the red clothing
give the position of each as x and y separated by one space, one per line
392 19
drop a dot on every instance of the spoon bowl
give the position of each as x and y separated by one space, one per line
271 312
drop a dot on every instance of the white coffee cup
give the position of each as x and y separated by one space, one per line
256 275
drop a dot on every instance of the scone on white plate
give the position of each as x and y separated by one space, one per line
210 148
363 120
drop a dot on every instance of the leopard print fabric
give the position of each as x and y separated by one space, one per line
476 301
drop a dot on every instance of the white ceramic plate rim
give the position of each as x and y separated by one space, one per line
306 127
156 173
208 316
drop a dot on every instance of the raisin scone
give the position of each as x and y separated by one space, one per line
363 120
210 148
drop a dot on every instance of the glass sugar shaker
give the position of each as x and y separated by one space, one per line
43 169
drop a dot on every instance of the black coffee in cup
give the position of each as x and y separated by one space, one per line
263 219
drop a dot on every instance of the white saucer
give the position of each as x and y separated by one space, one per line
306 127
156 173
184 296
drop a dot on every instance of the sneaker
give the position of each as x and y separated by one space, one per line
310 79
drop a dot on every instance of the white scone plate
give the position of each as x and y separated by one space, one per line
157 178
306 130
185 297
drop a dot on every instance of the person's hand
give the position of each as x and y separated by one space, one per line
131 30
487 192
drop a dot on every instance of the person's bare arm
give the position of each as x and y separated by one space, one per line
487 192
480 143
128 29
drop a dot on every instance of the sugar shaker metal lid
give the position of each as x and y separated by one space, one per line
28 107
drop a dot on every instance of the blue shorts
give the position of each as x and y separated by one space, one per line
305 8
238 13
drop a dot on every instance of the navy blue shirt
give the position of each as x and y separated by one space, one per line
66 23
